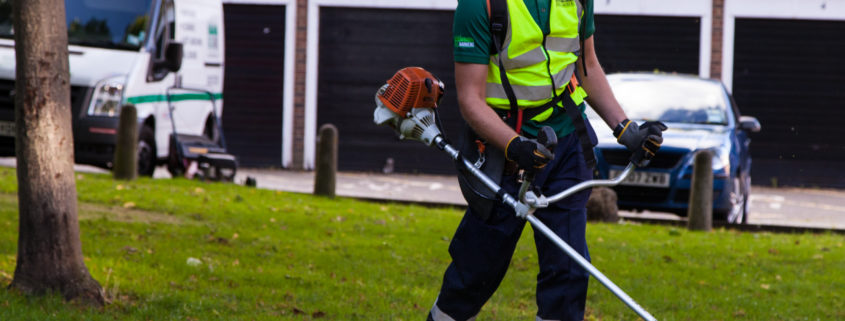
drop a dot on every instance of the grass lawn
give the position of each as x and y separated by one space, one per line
184 250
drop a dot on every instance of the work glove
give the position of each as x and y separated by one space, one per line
528 153
642 141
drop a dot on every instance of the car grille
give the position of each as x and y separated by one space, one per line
621 157
7 101
641 194
682 196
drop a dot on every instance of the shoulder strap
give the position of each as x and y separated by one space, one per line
497 12
581 38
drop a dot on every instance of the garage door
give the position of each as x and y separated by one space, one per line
359 50
253 82
790 75
648 43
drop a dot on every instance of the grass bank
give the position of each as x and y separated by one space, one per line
183 250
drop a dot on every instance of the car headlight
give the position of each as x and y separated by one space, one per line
107 97
722 159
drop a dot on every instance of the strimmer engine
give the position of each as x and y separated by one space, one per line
407 102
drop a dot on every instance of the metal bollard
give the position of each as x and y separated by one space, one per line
700 212
126 148
325 176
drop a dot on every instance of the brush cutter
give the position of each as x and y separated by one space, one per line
407 103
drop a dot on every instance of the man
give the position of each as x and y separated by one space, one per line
541 49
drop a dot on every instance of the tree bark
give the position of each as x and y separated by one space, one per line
49 249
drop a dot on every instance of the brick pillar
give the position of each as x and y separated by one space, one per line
299 84
716 41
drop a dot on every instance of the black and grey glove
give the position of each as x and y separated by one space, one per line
528 153
642 141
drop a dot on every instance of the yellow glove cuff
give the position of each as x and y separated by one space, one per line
509 146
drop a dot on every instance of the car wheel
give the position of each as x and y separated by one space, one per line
146 152
739 201
746 184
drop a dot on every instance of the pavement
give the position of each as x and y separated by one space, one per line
794 207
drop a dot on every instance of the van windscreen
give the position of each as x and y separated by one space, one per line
113 24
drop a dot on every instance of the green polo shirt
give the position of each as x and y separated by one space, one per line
472 44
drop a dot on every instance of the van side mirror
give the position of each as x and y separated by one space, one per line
171 62
173 56
749 123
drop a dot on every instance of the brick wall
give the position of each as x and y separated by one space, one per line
299 85
716 41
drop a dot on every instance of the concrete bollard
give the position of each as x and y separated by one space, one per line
700 212
602 207
325 176
126 146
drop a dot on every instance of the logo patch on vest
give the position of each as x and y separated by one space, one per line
465 42
564 3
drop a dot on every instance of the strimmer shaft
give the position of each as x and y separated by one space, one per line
535 222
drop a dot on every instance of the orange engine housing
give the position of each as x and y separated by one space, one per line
412 87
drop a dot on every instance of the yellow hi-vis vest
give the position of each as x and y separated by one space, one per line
530 58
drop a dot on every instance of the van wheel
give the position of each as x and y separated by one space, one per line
210 130
146 152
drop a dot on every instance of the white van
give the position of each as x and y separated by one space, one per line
143 52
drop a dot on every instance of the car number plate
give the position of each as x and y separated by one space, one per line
650 179
7 128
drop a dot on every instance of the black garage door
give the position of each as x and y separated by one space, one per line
790 75
359 50
253 82
648 43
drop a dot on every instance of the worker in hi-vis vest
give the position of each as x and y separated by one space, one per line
515 73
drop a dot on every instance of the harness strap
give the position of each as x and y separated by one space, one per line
498 24
581 130
574 114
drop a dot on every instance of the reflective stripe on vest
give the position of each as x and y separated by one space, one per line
525 61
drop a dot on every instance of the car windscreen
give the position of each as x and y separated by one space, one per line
676 100
114 24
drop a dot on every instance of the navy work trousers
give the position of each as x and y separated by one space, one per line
481 250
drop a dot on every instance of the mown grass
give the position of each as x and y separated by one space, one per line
269 255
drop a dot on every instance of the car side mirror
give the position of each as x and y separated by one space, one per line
749 123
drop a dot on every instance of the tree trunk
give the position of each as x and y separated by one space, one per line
49 248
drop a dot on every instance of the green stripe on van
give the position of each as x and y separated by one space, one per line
176 97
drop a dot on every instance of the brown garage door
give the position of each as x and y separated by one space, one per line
648 43
359 50
790 75
253 82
